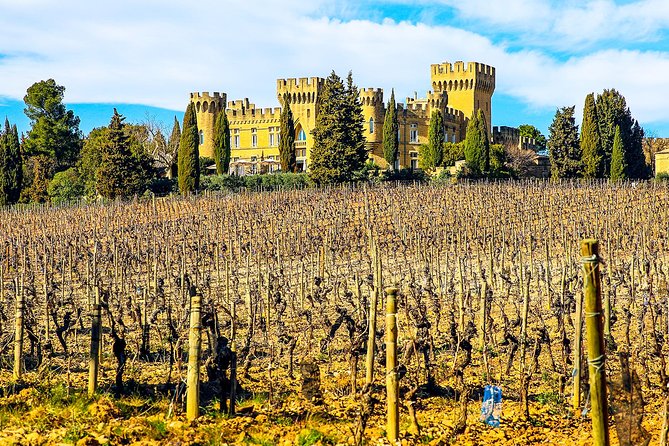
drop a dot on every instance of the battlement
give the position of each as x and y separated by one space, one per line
460 68
511 136
204 95
242 109
208 103
371 97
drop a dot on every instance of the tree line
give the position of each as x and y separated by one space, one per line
54 162
610 143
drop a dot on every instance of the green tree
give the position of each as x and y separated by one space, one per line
122 172
564 150
636 158
498 161
173 148
11 165
618 158
390 133
189 154
592 156
66 186
432 153
287 139
91 158
339 145
453 151
54 130
477 144
222 143
530 131
612 111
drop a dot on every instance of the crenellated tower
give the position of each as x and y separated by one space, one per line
469 86
373 112
302 96
207 107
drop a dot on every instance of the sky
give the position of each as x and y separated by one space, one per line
145 57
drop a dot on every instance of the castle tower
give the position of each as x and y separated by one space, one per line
469 86
207 108
301 95
373 111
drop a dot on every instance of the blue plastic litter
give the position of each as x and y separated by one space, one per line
491 408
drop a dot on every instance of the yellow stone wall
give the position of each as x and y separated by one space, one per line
246 120
662 162
207 108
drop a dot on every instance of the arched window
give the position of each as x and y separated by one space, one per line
371 125
301 136
201 137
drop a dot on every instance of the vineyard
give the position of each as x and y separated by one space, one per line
97 300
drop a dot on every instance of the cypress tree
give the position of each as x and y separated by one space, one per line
339 143
222 143
477 144
564 150
287 139
189 155
591 148
612 111
436 137
618 160
390 133
636 160
121 173
173 148
11 168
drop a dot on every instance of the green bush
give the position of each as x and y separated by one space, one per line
405 175
65 186
164 186
236 183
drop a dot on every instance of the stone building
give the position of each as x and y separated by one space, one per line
458 91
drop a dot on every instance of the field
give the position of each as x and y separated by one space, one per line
490 292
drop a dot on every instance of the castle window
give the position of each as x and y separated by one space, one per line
414 160
308 113
371 125
235 138
201 134
254 137
413 134
301 136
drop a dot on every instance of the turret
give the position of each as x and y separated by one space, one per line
373 112
207 108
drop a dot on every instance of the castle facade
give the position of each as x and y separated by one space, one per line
458 90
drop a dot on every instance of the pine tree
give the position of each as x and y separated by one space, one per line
121 173
563 146
189 155
11 165
222 143
591 148
287 139
477 144
173 148
390 133
618 161
54 130
339 144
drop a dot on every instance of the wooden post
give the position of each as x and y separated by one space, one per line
592 293
393 419
94 358
369 376
18 333
578 324
193 380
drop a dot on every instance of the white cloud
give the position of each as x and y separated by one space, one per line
155 53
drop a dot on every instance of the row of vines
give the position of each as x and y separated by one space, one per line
489 280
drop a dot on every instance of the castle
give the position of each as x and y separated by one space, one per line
458 90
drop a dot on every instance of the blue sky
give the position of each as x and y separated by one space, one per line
146 57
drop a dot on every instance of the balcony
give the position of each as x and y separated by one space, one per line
301 144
